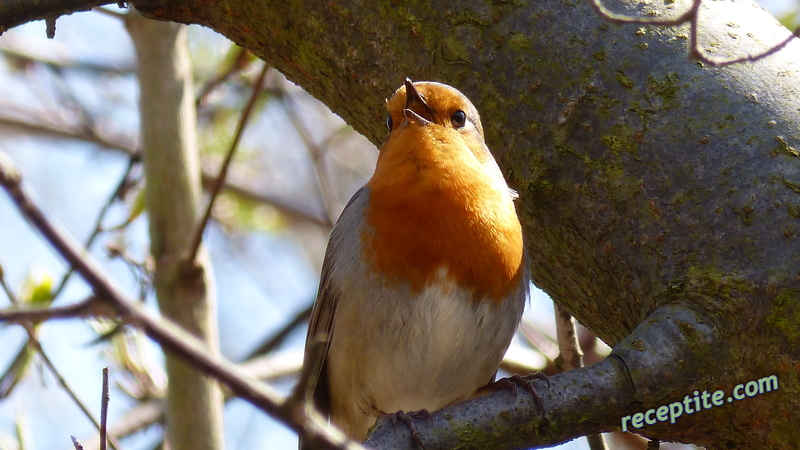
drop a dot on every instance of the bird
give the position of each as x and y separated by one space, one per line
424 279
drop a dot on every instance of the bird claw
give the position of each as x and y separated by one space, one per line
408 419
526 383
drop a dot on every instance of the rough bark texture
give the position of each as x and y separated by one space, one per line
14 13
645 178
185 290
576 403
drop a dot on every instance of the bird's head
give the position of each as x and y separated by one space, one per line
429 103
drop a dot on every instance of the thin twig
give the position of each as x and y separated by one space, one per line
324 187
33 341
98 226
569 356
142 272
125 145
607 14
223 171
60 379
149 412
87 308
167 334
104 411
76 443
107 12
11 297
140 417
240 61
692 17
277 339
21 53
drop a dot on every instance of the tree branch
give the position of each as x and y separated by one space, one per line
168 335
569 356
693 18
85 309
219 181
16 13
33 342
127 146
596 396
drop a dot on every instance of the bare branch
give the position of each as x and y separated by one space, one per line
13 14
692 17
104 411
91 307
138 418
276 339
240 60
621 18
22 54
216 187
34 341
168 335
76 443
99 222
126 144
569 356
324 186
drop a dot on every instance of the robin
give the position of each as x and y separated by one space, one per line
424 279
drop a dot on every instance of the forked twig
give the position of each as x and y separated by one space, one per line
692 17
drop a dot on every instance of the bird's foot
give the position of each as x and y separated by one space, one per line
408 418
526 383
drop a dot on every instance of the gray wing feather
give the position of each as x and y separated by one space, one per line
328 295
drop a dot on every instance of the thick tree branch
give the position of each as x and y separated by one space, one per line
692 17
596 396
14 13
645 179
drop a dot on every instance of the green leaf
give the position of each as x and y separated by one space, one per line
37 290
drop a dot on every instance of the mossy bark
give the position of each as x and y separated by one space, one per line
645 178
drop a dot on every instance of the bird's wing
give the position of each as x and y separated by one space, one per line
321 326
328 295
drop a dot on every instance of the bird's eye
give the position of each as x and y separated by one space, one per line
459 119
389 122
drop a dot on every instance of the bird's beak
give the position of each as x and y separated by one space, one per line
416 108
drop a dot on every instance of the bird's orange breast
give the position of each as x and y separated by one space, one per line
434 207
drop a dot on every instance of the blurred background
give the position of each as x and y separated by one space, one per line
69 121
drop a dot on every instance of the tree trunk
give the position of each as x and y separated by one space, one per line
185 290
